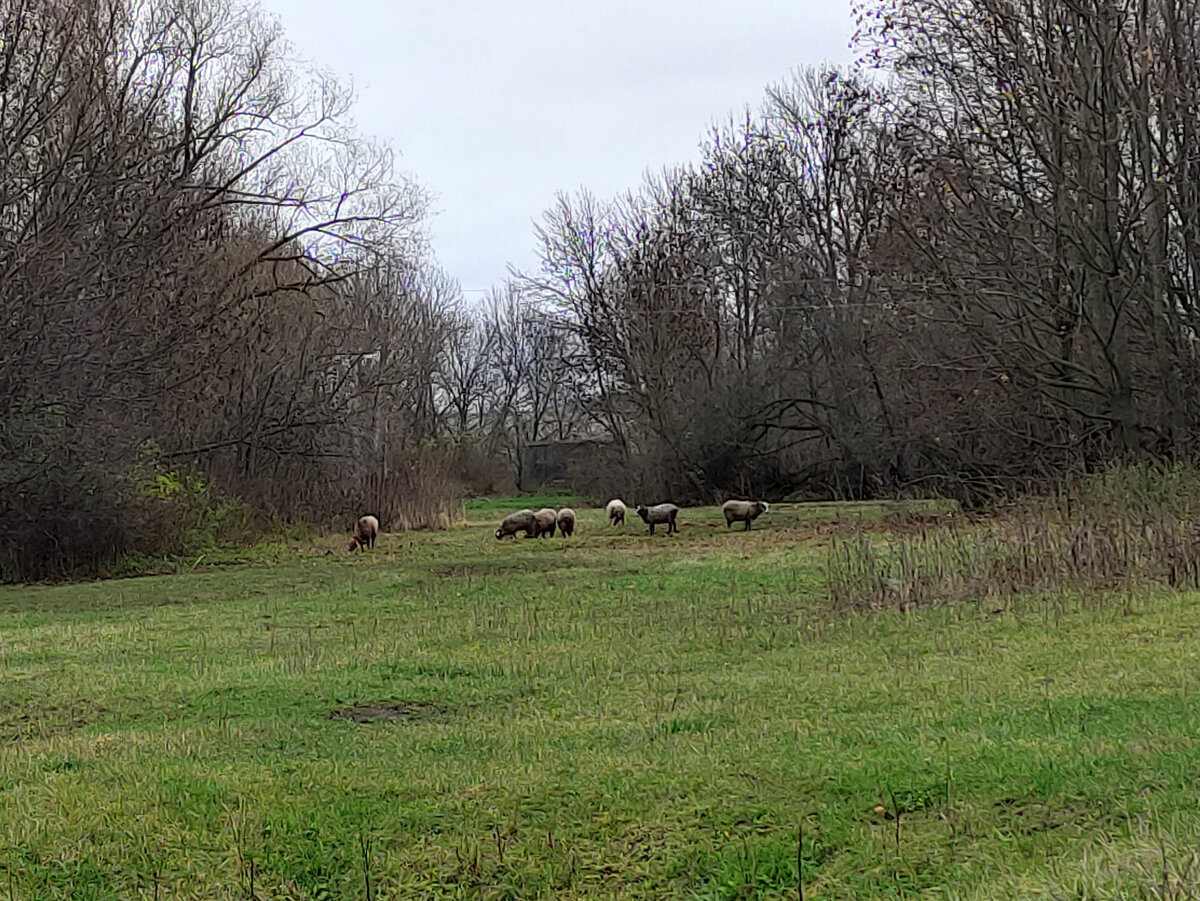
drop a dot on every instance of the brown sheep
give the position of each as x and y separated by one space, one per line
521 521
547 521
659 514
615 509
743 511
366 531
566 522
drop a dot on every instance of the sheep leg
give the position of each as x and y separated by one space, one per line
747 529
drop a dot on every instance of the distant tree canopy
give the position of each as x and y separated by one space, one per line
966 267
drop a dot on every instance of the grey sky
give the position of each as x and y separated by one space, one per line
494 107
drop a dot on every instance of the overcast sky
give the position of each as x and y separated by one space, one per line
494 107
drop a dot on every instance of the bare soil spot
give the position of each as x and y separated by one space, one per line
483 568
31 721
400 712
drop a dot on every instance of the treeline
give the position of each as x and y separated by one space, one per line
214 296
966 267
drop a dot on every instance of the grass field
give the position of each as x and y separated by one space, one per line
616 716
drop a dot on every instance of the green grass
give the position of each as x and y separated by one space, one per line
610 716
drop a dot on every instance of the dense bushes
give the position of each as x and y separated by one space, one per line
73 520
1115 530
199 255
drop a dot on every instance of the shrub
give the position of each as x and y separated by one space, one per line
1131 523
416 490
67 519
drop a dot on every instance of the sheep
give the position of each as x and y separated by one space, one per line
566 522
366 531
547 520
743 511
615 510
522 520
659 514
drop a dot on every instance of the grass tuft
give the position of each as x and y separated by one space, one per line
1124 529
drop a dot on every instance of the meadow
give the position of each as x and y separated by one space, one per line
613 716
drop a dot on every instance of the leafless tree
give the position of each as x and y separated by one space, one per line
182 212
464 380
1047 135
967 279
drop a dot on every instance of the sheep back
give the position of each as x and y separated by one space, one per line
659 514
547 521
366 532
521 521
743 511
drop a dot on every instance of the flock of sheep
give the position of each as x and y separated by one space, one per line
546 521
539 524
543 522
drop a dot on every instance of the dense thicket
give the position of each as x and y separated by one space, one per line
968 265
208 284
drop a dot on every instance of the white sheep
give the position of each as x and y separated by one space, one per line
366 531
659 514
521 521
547 521
566 522
615 510
743 511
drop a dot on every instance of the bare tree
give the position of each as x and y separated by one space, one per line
181 211
1045 132
463 380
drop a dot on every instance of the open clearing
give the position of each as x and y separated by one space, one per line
611 716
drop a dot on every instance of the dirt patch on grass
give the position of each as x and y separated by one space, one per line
524 565
398 712
19 723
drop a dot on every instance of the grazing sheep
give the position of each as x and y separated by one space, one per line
366 531
743 511
566 522
658 514
615 510
547 520
521 521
